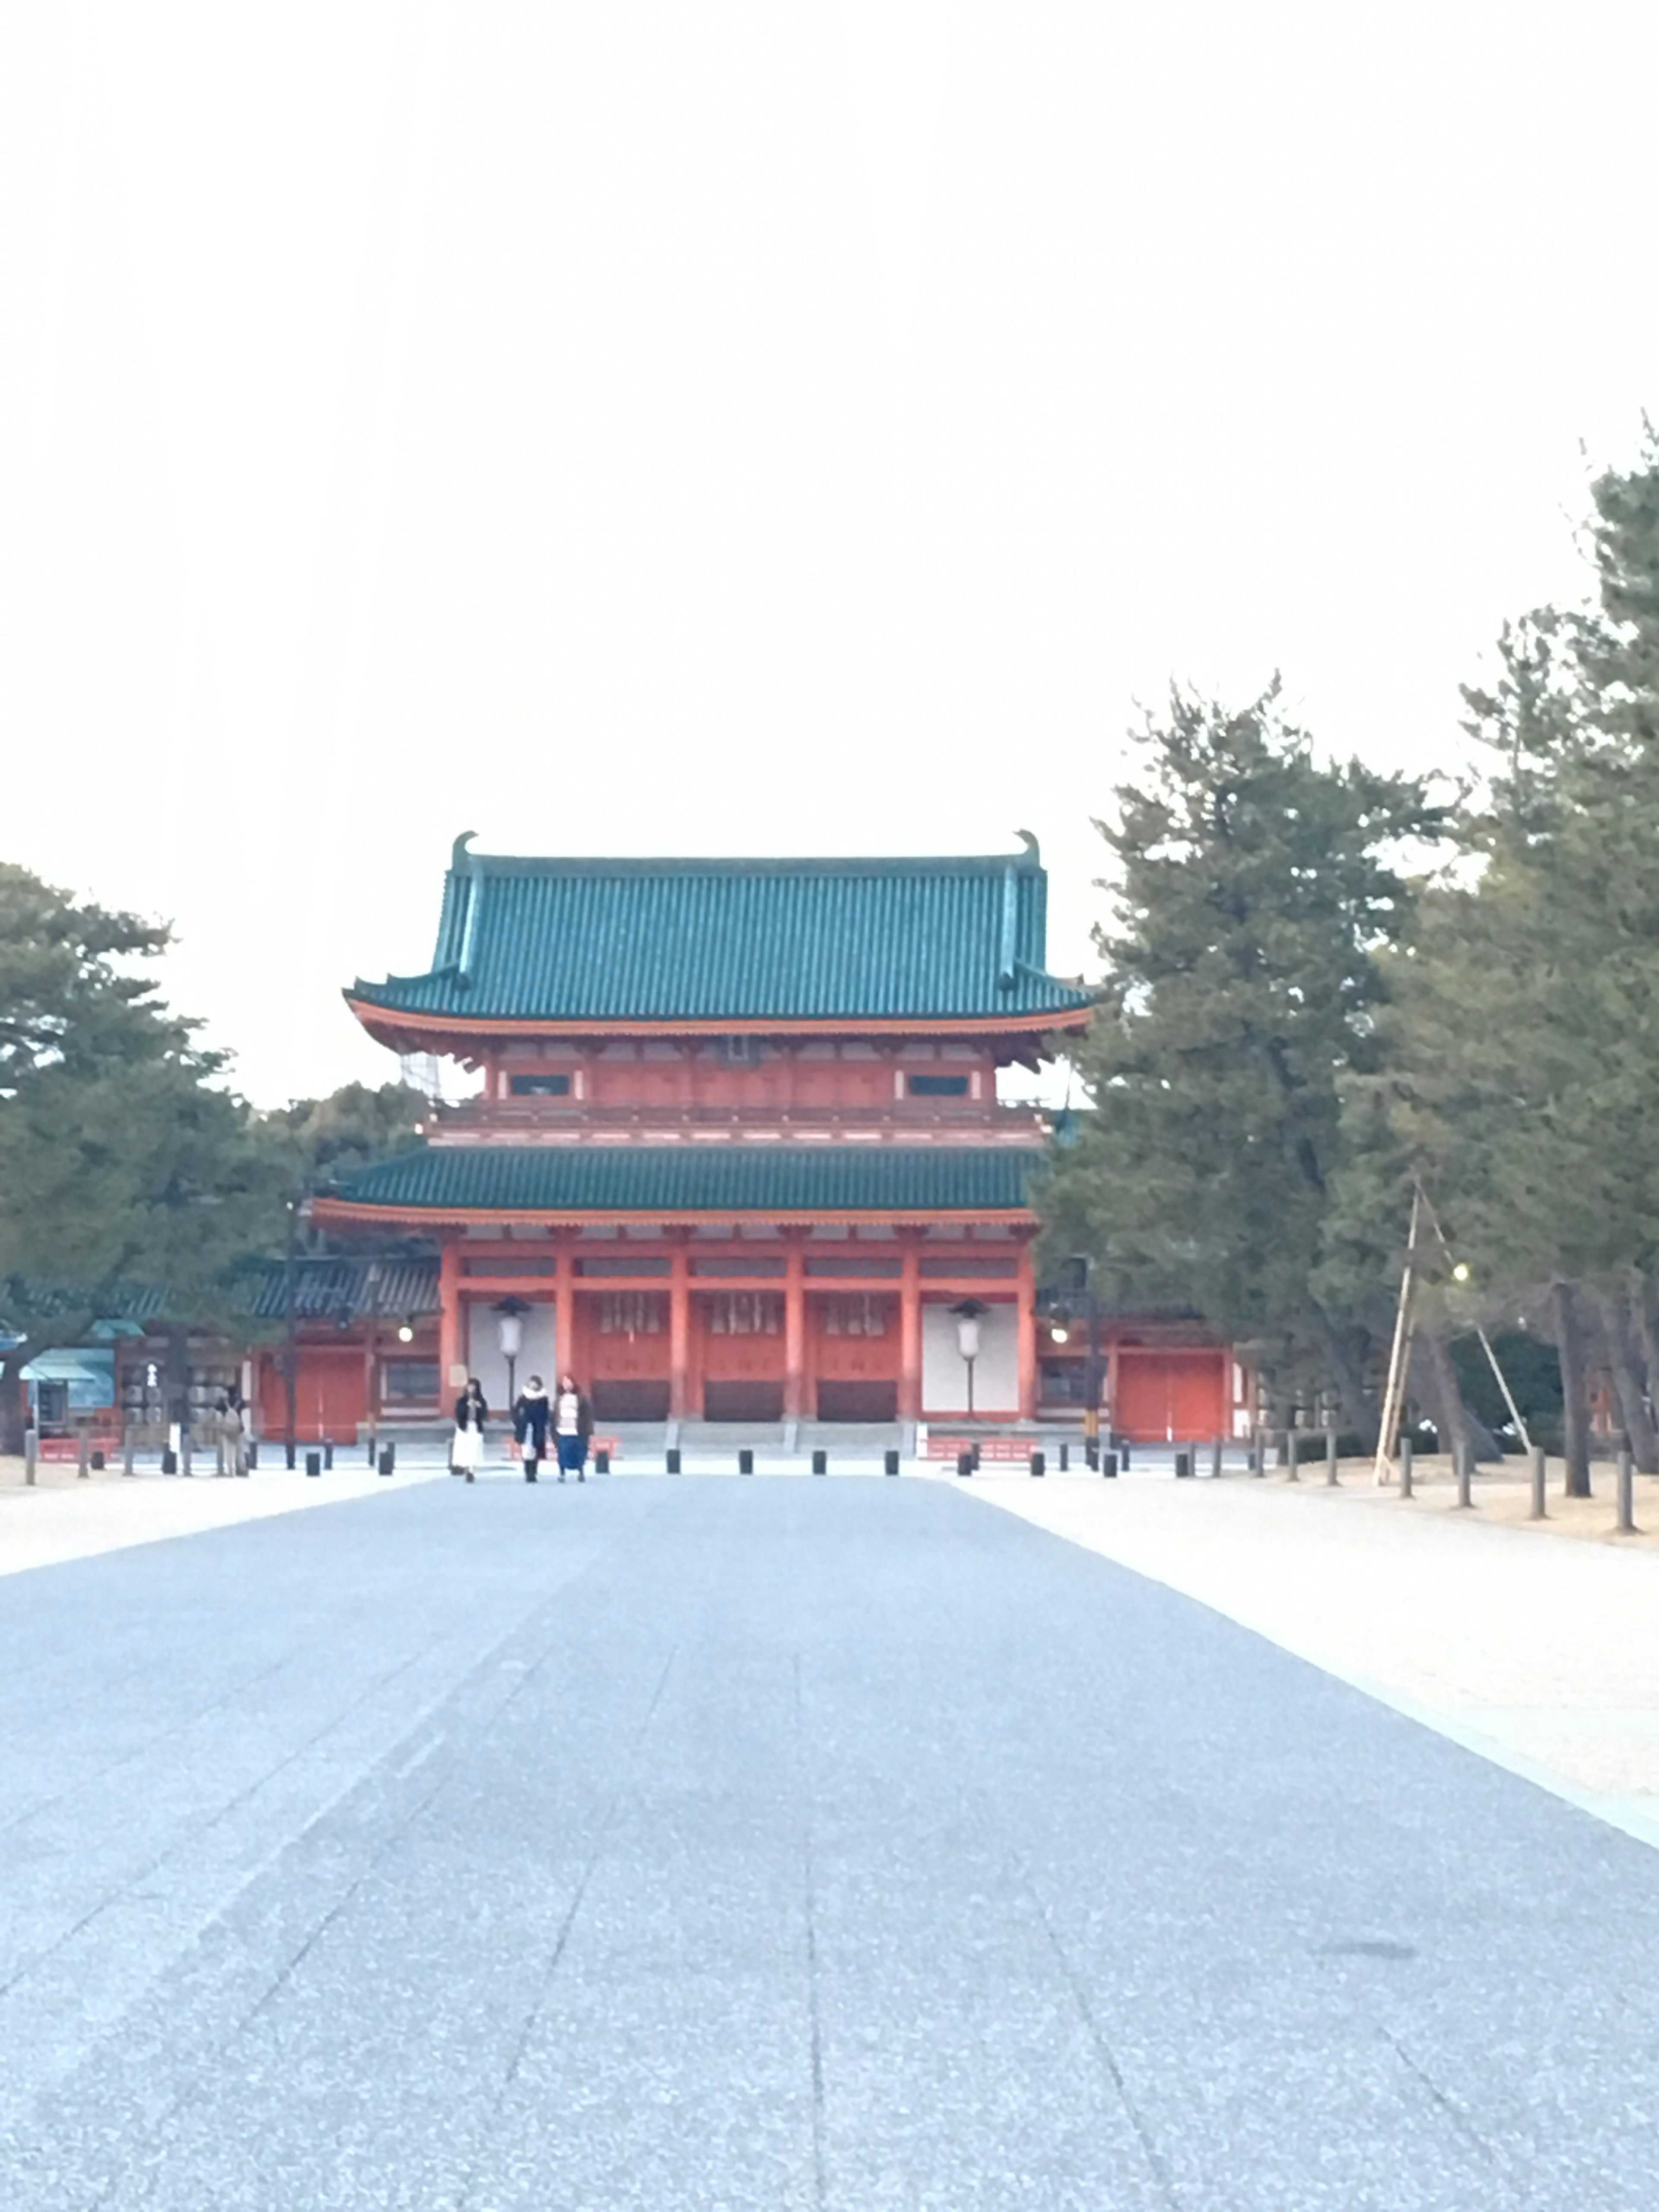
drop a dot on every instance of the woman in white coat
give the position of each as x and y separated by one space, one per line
470 1414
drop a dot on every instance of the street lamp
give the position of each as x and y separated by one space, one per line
509 1334
968 1316
1080 1278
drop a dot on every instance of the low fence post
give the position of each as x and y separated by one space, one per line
1292 1438
1461 1462
1405 1467
82 1457
31 1453
1627 1493
127 1452
1332 1477
1540 1483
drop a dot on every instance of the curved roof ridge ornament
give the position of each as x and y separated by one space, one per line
1033 850
460 861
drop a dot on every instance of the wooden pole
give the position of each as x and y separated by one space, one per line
1394 1396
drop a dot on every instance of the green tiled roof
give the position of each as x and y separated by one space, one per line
739 940
698 1178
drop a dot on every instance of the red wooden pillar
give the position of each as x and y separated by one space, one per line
1028 1348
564 1309
679 1333
795 1333
452 1339
910 1390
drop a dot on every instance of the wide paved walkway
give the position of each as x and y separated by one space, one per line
718 1845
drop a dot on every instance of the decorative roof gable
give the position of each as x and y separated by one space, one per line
707 941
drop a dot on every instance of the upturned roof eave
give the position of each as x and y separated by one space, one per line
376 1015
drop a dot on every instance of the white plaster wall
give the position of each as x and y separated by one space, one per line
540 1354
996 1371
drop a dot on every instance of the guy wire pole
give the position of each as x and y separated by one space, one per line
1394 1394
1499 1376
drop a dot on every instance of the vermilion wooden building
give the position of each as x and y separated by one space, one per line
738 1152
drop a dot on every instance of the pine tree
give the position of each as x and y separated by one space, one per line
1254 890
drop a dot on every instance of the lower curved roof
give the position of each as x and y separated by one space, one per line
726 1178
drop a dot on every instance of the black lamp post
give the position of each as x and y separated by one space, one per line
509 1334
967 1314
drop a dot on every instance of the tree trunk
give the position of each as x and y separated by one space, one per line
1434 1380
1360 1413
13 1402
1626 1365
1647 1332
1574 1395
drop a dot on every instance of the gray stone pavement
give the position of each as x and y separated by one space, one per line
771 1845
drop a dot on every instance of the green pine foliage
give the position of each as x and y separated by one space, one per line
1254 890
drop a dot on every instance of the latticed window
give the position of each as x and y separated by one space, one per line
853 1314
632 1313
746 1312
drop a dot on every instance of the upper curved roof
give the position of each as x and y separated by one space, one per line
656 941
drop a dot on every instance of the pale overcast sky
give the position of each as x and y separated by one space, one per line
760 427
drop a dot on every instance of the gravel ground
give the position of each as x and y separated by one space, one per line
1542 1654
802 1846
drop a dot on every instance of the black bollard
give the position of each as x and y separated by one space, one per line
672 1458
965 1462
890 1463
1109 1466
388 1458
601 1462
169 1462
745 1462
820 1462
288 1457
370 1448
1065 1459
313 1462
328 1454
1183 1460
1626 1494
1123 1455
97 1462
976 1458
1039 1464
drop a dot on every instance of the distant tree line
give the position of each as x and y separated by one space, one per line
1326 989
126 1158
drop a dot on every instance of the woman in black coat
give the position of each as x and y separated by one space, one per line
470 1414
532 1413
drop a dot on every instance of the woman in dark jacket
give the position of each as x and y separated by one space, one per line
470 1414
531 1414
572 1424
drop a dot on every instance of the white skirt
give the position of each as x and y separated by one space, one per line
468 1447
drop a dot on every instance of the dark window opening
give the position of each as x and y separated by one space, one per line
407 1382
539 1086
938 1087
